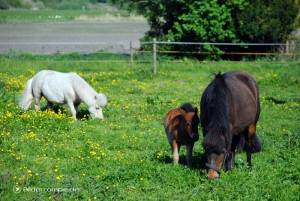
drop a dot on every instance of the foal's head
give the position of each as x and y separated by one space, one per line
192 120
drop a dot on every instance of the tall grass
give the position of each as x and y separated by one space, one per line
48 156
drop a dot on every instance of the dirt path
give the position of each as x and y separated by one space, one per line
71 36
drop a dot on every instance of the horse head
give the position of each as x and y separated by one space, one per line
192 122
96 109
218 156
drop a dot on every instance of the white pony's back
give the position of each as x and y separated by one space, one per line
62 88
57 86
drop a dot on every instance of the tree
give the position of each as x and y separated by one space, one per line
189 21
297 20
259 21
266 21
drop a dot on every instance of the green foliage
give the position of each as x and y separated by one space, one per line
254 21
189 21
127 156
266 21
6 4
205 21
66 5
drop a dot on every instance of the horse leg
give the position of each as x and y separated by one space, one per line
175 150
37 103
230 160
49 105
251 133
232 154
72 108
189 154
76 105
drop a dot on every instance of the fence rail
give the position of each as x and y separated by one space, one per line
219 44
288 49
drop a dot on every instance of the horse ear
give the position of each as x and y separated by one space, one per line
196 110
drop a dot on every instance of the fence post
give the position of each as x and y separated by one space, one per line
154 56
287 47
131 53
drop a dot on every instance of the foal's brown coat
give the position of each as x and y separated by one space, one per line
181 126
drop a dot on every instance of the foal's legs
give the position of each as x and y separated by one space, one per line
175 150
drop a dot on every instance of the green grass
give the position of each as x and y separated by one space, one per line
127 156
28 16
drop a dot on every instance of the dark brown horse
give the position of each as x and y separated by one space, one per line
181 126
230 109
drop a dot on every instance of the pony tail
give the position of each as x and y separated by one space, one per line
101 99
256 145
27 96
242 145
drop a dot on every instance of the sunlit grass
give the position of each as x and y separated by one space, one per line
127 156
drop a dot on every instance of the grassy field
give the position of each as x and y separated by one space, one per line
29 16
48 156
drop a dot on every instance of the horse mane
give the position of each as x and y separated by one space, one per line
217 100
187 107
84 91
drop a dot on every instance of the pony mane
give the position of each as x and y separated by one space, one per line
187 107
81 82
85 92
218 106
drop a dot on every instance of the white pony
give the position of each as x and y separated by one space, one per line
62 88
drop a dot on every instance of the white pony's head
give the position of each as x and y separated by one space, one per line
96 110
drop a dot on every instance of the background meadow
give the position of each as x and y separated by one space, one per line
127 156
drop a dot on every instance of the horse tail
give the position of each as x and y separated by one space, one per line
27 96
256 145
242 145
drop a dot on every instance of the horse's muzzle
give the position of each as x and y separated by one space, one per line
214 171
212 167
212 174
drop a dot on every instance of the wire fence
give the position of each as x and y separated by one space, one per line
289 50
155 51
